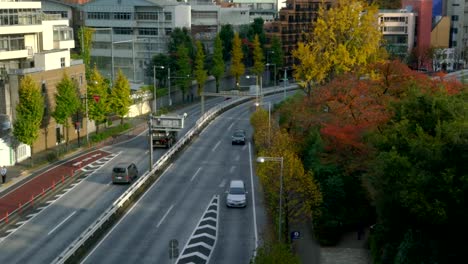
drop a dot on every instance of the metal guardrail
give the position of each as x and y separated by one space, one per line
199 125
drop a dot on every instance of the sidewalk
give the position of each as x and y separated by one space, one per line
22 171
349 250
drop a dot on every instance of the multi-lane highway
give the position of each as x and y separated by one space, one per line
185 204
172 208
46 234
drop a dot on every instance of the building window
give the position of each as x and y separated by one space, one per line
148 31
98 15
168 31
147 16
454 43
62 62
122 16
63 14
123 31
455 18
168 16
454 30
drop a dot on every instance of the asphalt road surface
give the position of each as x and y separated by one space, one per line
51 229
174 206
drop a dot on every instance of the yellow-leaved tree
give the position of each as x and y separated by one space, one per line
346 38
237 66
301 197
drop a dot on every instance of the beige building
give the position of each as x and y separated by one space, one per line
36 44
440 35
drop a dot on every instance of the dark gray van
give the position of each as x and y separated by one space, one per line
124 173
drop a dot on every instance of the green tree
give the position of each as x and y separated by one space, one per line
120 100
29 112
420 179
161 75
259 63
218 66
227 35
67 103
85 36
97 96
181 36
201 75
277 54
237 67
345 38
184 68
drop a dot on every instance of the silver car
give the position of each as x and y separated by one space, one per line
236 196
238 137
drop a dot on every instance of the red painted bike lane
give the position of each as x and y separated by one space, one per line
40 184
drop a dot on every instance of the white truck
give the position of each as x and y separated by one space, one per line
164 129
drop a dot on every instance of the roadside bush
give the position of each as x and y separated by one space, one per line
113 131
276 253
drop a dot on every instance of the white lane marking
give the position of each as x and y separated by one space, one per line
61 223
229 128
217 144
196 173
237 158
146 152
231 170
164 216
223 183
253 202
11 230
125 215
21 222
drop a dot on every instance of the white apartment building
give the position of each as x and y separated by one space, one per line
128 33
266 9
457 10
36 44
208 17
398 29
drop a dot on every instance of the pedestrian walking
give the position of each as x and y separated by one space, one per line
3 172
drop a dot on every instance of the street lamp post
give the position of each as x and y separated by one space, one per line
258 88
269 118
277 159
169 84
154 86
274 72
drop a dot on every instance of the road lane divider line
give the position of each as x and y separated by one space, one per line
200 125
164 216
125 216
196 173
202 242
61 223
216 146
253 202
230 126
231 170
223 183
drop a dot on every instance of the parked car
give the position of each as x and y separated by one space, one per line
124 173
236 196
238 137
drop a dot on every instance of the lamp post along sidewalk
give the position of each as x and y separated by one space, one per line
280 216
154 86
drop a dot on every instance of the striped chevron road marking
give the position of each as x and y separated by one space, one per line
201 243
